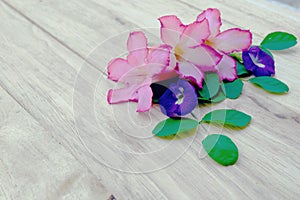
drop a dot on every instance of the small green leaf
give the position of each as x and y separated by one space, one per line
221 149
211 86
233 89
218 98
227 117
241 70
155 100
237 56
172 126
279 41
270 84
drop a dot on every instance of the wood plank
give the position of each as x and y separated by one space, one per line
290 4
44 73
36 166
258 173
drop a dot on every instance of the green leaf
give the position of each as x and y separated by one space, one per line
211 85
279 41
218 98
221 149
237 56
241 70
233 89
270 84
155 100
172 126
227 117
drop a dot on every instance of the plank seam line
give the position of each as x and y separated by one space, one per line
18 102
50 34
46 129
2 85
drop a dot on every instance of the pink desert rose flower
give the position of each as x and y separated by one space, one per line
225 42
142 67
189 53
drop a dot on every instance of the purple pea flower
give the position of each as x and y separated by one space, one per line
258 62
179 99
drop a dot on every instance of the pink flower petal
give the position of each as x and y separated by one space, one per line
136 40
195 33
137 58
125 94
202 56
232 40
167 74
191 72
137 47
171 29
137 75
117 68
173 62
227 68
160 55
144 98
157 62
214 20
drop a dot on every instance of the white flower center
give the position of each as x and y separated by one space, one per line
180 96
257 61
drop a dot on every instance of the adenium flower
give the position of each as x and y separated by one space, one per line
191 56
179 99
142 67
225 42
258 62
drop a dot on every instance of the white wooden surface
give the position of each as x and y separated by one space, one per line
44 46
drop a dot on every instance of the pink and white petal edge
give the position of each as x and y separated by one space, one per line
227 68
203 56
144 98
231 40
213 16
171 29
195 33
136 41
137 46
117 68
125 94
160 55
191 72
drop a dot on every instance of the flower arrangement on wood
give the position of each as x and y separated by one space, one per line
198 64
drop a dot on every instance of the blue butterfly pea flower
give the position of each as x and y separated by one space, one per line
258 62
179 99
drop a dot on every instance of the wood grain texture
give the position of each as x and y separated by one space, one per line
34 165
52 43
43 78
